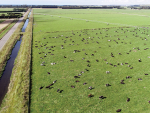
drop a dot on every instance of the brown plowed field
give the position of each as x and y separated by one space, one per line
5 23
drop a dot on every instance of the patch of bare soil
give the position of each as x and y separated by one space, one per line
5 23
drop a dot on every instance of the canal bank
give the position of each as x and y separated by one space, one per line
18 90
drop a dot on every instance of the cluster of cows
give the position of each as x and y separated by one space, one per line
42 46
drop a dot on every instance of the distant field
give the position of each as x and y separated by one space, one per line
90 47
6 9
96 18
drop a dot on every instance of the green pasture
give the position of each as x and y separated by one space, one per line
6 9
95 41
59 19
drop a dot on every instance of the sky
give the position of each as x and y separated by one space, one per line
74 2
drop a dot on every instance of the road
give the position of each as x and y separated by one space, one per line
11 31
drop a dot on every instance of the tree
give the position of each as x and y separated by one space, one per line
3 15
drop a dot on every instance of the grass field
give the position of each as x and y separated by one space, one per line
85 44
6 9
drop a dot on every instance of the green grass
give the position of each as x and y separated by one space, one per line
96 18
6 9
53 31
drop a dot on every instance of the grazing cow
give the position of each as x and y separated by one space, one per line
72 60
84 83
54 81
128 77
110 63
86 70
122 82
92 54
129 65
88 65
128 99
108 85
139 60
119 110
90 95
131 68
52 63
76 77
88 61
90 88
121 63
65 57
41 87
49 86
85 53
97 60
119 53
42 64
77 80
139 79
72 86
115 65
101 97
82 71
58 90
83 58
149 101
79 74
146 74
107 72
48 72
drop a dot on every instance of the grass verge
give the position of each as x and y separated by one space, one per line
18 91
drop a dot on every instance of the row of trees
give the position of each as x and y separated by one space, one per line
20 9
11 15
